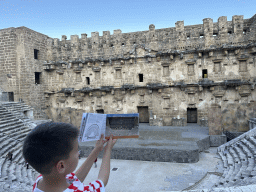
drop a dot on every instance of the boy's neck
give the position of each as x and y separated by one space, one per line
53 184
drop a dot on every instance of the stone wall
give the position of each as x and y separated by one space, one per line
28 89
179 37
8 76
170 72
235 116
66 115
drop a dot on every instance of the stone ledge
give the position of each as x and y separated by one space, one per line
217 140
148 154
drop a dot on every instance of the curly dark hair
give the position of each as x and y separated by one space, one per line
47 144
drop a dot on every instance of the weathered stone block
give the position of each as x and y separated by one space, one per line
217 140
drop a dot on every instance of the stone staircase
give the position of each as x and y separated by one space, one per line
18 109
14 176
236 170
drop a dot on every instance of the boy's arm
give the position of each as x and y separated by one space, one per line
84 169
105 167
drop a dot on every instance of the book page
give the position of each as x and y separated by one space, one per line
92 126
120 125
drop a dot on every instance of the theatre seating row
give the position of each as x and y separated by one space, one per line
237 167
18 109
239 161
14 175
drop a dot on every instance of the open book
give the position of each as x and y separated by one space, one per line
120 125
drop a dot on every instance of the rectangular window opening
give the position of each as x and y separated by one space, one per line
242 66
101 111
88 80
140 77
205 73
36 53
217 67
118 74
37 77
191 68
166 71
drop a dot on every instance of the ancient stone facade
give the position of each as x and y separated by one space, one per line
170 76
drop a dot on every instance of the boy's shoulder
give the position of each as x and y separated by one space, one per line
76 185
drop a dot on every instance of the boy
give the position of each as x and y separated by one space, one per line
52 150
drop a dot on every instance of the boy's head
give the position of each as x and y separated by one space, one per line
49 144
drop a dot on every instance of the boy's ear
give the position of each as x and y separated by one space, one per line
60 167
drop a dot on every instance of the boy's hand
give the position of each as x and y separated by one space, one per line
111 143
100 143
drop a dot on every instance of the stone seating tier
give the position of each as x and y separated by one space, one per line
237 163
12 133
237 156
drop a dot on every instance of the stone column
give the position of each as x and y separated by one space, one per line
214 123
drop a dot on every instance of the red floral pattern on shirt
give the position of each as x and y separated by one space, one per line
76 185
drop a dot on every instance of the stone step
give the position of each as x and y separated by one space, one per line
20 158
225 172
245 150
7 146
11 172
30 176
240 153
237 164
230 172
2 126
7 117
8 123
241 171
250 146
253 139
3 110
25 188
234 155
17 130
17 108
5 166
13 107
236 173
2 159
20 136
25 175
3 138
224 159
229 158
250 160
18 173
11 129
16 151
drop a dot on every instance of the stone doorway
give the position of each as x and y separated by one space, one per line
10 95
192 115
143 114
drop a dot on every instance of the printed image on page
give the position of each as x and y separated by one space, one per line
94 127
82 126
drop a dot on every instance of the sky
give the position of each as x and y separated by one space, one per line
55 18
